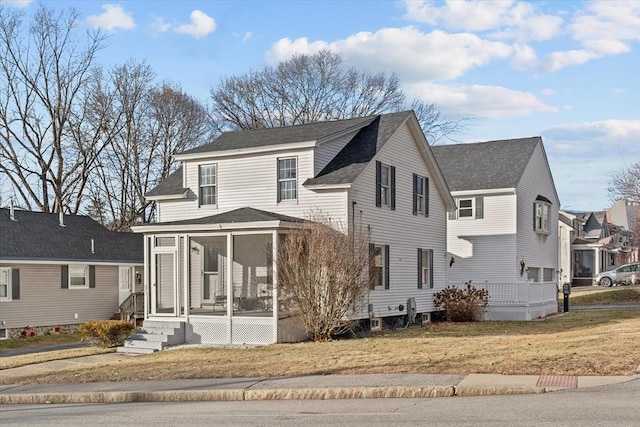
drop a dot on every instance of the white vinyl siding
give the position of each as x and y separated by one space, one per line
44 303
537 249
485 249
251 181
403 231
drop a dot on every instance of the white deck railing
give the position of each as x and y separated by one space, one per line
516 293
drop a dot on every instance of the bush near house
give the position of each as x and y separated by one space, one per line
462 305
106 333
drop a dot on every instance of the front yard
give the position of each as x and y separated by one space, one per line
575 343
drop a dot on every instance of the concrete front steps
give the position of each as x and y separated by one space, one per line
154 336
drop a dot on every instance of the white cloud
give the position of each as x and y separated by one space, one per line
503 19
247 36
548 92
113 18
410 53
160 25
619 90
480 101
20 4
201 25
602 28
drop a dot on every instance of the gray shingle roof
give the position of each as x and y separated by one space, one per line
281 135
239 215
485 165
345 167
171 185
37 236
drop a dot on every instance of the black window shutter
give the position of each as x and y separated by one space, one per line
426 196
386 266
431 268
372 263
92 276
419 268
534 216
15 283
479 208
378 183
64 276
415 193
392 169
278 181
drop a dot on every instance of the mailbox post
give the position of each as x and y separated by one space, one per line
566 290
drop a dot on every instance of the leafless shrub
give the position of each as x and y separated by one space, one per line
323 271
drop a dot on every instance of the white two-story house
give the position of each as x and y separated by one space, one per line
210 269
503 235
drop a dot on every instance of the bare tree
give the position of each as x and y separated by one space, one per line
625 184
313 88
42 82
324 272
149 122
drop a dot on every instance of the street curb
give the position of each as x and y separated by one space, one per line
276 394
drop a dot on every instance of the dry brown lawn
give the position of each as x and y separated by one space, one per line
575 343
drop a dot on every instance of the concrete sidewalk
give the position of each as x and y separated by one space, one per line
280 388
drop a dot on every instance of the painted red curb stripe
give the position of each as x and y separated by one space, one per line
557 381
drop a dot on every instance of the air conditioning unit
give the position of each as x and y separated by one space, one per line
376 324
426 319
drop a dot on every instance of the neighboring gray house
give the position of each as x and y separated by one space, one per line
210 275
62 270
504 233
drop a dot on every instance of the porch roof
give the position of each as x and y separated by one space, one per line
237 218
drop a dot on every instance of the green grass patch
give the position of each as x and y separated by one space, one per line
39 340
620 295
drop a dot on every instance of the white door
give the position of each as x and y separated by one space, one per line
163 284
125 286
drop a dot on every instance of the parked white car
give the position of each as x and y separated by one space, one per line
628 274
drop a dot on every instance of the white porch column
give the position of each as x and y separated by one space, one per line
275 303
229 284
186 283
146 276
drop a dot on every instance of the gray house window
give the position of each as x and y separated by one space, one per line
420 195
379 265
468 208
208 184
541 214
287 179
425 268
5 284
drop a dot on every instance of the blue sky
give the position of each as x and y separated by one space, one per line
568 71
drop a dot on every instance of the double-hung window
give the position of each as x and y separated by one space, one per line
468 208
420 195
541 212
425 268
208 184
385 185
379 265
287 179
5 284
78 276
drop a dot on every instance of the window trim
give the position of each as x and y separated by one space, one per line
373 269
281 180
477 208
390 186
421 209
86 276
201 186
8 284
540 228
428 268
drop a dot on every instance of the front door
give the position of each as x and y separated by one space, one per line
163 284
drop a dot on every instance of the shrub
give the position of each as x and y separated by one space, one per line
462 305
106 333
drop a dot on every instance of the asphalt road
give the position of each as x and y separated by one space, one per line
615 405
